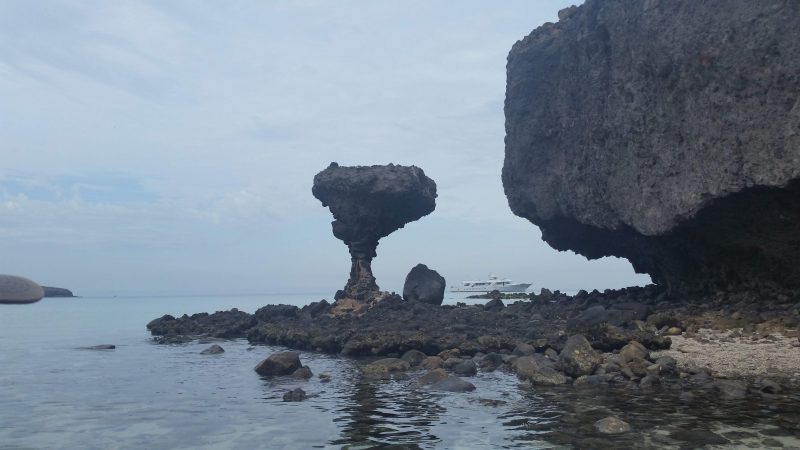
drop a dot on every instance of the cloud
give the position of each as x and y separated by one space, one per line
189 129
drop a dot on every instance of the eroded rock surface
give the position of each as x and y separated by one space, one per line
665 132
368 203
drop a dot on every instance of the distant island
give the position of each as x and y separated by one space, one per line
57 292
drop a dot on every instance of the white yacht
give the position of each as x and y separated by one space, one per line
492 284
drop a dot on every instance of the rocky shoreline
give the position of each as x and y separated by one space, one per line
636 337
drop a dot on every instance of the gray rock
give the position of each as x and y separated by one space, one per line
368 203
524 349
612 425
213 350
19 290
730 389
633 350
413 357
295 395
467 368
578 357
490 362
432 362
453 384
529 369
302 373
431 377
644 129
424 285
385 367
278 364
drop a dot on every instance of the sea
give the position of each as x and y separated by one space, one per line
56 394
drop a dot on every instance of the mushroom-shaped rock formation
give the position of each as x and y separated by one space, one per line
666 132
368 203
18 290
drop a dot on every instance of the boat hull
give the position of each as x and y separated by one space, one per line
521 287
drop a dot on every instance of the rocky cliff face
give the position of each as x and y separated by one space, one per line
368 203
666 132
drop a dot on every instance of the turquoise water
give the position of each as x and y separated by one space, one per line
54 395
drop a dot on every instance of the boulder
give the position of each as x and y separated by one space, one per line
19 290
424 285
385 367
431 377
213 350
578 357
432 362
278 364
302 373
413 357
467 368
664 132
633 350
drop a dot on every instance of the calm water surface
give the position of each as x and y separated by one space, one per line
54 395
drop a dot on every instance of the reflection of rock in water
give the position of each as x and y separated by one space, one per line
658 418
385 412
367 204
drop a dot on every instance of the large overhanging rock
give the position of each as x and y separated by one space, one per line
368 203
666 132
19 290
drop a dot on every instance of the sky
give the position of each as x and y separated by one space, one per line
169 148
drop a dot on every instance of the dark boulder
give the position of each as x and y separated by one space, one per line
213 350
424 285
277 364
453 384
578 357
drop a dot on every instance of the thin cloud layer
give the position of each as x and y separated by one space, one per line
183 138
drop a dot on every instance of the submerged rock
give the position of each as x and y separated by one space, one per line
295 395
612 425
453 384
19 290
385 367
368 203
424 285
655 131
100 347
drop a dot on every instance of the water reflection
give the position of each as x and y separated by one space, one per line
387 412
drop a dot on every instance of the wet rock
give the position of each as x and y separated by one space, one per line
528 369
295 395
649 381
590 380
213 350
524 349
768 386
431 377
580 164
367 204
324 378
490 362
413 357
302 373
19 290
100 347
424 285
673 331
466 369
578 357
278 364
385 367
453 384
633 350
612 425
432 362
491 402
730 389
698 438
668 364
